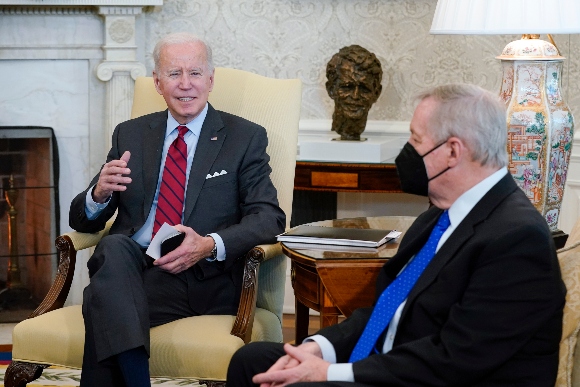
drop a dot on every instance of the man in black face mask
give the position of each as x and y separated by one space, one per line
474 295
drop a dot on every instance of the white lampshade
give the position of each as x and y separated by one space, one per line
506 17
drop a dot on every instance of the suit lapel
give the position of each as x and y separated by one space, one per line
204 157
152 139
415 239
462 234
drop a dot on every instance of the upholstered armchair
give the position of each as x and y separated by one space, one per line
569 257
195 347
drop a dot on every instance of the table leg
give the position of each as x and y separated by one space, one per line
328 310
301 321
328 320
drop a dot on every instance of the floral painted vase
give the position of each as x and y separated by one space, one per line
540 125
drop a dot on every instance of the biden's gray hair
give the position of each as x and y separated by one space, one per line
181 38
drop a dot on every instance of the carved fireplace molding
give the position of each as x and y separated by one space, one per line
71 65
119 68
72 7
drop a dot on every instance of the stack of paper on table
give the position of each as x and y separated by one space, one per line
334 248
338 236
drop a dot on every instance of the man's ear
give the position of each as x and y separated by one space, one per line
156 82
211 80
456 151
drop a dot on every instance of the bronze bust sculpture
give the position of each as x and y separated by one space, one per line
354 83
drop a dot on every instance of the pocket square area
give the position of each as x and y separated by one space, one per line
216 174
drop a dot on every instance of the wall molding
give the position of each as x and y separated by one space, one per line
46 10
43 3
373 127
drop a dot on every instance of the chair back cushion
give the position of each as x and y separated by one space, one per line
272 103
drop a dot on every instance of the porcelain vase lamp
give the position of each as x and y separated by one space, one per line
540 126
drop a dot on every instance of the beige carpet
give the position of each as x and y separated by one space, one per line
60 376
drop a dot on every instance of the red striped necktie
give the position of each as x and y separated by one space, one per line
172 188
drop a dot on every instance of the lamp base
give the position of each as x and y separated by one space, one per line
540 130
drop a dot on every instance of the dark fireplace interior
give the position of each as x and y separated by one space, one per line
28 219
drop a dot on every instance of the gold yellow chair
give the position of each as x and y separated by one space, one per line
569 257
195 347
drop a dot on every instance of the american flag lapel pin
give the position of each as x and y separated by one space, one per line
213 138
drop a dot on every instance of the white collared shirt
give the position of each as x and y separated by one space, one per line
457 212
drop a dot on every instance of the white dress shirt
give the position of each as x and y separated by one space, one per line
457 212
143 235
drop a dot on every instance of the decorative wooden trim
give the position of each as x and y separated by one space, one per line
247 309
346 177
19 374
58 292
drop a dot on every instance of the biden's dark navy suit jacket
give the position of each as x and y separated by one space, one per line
240 205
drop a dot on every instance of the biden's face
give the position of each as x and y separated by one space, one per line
184 80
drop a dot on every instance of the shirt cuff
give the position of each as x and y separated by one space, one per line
340 372
221 248
336 372
92 208
326 347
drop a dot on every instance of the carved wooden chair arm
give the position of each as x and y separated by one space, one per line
67 246
245 318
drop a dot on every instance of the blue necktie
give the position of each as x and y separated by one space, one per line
397 292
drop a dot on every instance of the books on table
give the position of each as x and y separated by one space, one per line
333 248
338 236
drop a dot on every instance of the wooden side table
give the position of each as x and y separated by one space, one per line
316 185
335 282
346 177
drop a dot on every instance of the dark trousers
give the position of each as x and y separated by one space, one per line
125 298
258 357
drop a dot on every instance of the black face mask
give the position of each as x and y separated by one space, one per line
412 172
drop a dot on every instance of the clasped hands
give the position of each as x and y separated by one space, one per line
114 177
300 364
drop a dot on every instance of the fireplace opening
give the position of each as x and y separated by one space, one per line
29 218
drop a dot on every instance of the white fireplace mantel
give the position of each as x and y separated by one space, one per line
123 3
68 62
120 67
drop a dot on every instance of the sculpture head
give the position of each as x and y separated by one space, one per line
354 83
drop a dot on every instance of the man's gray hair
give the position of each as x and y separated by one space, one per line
181 38
474 115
